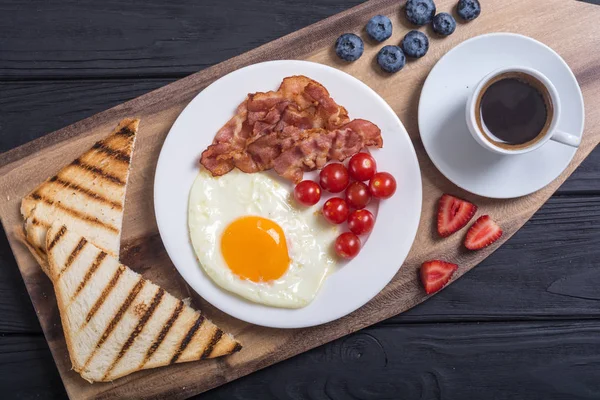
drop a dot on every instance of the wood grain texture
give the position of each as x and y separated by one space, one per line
15 305
158 111
440 361
59 39
72 101
557 360
24 360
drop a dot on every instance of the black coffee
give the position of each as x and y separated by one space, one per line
515 108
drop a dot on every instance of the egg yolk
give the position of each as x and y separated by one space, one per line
254 248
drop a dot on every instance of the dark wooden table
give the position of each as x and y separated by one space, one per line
525 324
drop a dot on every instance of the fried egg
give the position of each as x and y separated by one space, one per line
251 239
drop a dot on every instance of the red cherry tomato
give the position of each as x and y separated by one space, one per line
307 193
358 195
334 177
347 245
382 185
362 167
361 222
335 210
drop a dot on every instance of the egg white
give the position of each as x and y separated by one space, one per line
215 202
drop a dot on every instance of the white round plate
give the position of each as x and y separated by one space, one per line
351 285
443 125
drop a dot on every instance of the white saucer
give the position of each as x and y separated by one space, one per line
444 129
351 285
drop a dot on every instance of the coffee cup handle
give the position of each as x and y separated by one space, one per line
566 138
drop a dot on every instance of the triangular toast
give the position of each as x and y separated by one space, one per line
87 195
115 321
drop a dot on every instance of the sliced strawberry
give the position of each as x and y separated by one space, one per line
453 214
435 274
483 233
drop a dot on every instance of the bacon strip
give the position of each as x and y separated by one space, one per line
266 149
272 129
317 146
231 138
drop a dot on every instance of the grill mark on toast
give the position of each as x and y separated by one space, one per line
37 222
116 318
56 237
86 192
137 330
98 171
99 258
187 338
109 151
74 213
125 131
41 252
163 333
236 348
103 296
73 255
211 345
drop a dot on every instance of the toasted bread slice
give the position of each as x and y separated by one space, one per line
87 195
115 321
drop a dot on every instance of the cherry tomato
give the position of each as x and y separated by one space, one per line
358 195
362 167
334 177
335 210
382 185
347 245
361 222
307 193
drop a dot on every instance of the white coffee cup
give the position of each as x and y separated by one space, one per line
550 131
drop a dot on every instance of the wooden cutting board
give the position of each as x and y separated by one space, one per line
570 27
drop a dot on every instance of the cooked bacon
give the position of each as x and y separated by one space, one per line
299 118
218 157
317 146
300 97
333 114
264 122
267 148
307 154
293 88
354 136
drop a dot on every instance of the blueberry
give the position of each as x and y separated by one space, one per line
391 58
415 44
420 12
349 47
379 28
444 24
468 9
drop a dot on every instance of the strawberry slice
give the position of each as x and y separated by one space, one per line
436 274
453 214
483 233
